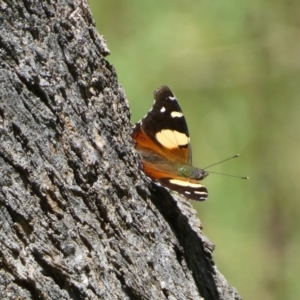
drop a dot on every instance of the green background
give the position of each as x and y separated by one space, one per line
235 68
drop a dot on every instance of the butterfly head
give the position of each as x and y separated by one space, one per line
191 172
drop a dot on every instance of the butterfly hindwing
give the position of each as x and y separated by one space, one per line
189 188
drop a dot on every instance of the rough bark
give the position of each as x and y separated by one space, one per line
78 218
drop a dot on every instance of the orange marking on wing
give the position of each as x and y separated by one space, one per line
143 142
151 171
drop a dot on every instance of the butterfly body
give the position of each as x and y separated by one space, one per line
162 140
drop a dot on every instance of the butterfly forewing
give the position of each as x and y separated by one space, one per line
166 126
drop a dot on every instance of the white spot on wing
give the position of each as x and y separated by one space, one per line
172 138
176 114
172 98
163 109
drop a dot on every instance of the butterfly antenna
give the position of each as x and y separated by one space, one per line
237 155
241 177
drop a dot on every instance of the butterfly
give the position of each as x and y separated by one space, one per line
163 142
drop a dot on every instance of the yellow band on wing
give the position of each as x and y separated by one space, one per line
172 138
185 183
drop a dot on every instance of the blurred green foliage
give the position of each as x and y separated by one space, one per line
235 68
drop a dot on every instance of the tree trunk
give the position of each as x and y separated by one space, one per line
78 218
